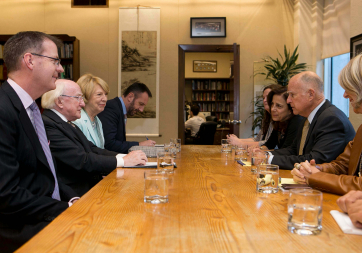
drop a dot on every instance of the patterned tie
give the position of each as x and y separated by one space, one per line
40 130
304 136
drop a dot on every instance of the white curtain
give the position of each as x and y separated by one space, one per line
336 23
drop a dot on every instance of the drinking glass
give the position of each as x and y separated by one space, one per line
177 143
305 211
267 178
165 162
225 146
241 153
258 157
156 187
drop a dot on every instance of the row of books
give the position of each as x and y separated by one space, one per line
222 116
222 107
210 85
68 72
206 107
210 96
66 51
211 107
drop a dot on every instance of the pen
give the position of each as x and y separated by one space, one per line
146 138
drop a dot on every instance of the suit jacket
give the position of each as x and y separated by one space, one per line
328 134
85 126
339 176
80 163
113 127
27 183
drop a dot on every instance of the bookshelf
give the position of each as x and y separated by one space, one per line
214 95
69 55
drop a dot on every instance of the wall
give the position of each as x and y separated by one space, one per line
356 29
261 27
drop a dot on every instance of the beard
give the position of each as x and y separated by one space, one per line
131 110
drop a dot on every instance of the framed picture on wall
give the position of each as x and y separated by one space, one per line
205 66
356 45
208 27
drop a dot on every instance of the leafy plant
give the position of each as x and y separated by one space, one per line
258 113
280 71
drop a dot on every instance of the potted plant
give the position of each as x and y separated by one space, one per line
278 71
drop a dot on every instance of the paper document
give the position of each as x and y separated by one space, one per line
147 165
345 223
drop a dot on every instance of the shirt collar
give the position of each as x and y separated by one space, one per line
22 94
60 115
313 113
123 106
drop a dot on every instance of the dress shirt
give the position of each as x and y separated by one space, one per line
119 157
124 111
310 119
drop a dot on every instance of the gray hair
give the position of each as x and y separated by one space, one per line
350 78
48 98
312 78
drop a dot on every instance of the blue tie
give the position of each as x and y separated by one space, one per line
39 128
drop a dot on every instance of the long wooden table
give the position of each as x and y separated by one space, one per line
213 207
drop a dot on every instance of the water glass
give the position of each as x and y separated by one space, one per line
305 211
177 143
258 157
241 154
267 178
225 146
165 162
156 187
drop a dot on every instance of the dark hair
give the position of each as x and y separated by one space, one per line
25 42
137 88
267 117
195 110
280 126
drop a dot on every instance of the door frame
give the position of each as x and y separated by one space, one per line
182 49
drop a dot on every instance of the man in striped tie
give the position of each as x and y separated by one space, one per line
31 195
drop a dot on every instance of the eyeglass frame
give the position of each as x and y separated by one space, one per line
79 98
57 60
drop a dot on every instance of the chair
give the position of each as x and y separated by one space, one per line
211 118
206 133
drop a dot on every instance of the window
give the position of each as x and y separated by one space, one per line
332 90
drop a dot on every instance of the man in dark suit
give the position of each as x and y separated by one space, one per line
326 130
114 117
31 195
80 163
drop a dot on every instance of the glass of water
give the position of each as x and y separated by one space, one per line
241 153
258 157
156 187
305 211
225 146
165 162
267 178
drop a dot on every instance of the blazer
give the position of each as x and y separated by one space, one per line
289 136
27 183
328 134
341 175
81 164
85 126
114 128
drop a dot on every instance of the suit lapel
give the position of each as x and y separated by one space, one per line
122 116
355 152
314 122
26 123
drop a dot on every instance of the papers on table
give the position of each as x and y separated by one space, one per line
159 145
345 223
147 165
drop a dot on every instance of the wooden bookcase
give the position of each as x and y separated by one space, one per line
69 55
214 95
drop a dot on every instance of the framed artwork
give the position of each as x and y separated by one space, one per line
356 45
208 27
205 66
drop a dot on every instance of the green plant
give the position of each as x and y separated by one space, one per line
258 112
280 71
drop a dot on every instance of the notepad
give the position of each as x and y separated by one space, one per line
147 165
345 223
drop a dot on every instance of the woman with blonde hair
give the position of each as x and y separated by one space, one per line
95 91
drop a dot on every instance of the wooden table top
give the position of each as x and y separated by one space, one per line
213 207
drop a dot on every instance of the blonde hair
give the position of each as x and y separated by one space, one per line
48 98
350 78
87 83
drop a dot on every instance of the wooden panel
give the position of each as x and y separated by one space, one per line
213 207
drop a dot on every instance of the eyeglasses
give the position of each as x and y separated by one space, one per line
79 98
57 60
